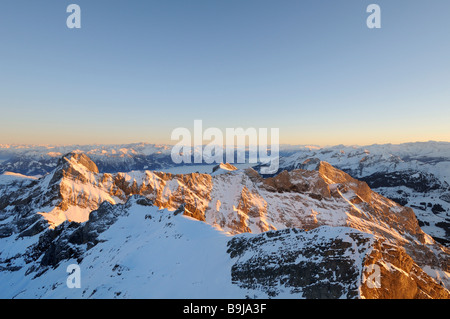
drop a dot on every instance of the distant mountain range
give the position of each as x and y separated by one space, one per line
35 160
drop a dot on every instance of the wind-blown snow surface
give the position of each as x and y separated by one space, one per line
151 253
142 257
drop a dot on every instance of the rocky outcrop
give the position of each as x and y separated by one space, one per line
329 263
71 240
412 174
399 276
223 168
320 264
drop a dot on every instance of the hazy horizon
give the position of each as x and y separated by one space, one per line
2 145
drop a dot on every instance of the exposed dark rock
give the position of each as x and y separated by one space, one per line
419 182
399 276
70 240
307 262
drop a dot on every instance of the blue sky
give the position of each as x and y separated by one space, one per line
138 69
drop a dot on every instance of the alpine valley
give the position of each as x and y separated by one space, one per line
139 226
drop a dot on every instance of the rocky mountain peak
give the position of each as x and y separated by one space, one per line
223 168
78 159
75 166
332 176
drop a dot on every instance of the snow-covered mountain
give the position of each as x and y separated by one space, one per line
228 234
413 174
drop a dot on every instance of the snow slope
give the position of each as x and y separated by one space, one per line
135 250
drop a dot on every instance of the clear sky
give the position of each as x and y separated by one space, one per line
136 70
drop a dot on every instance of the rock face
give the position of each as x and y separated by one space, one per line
329 263
223 168
413 174
326 225
400 277
324 263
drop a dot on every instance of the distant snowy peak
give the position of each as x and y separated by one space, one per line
223 168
